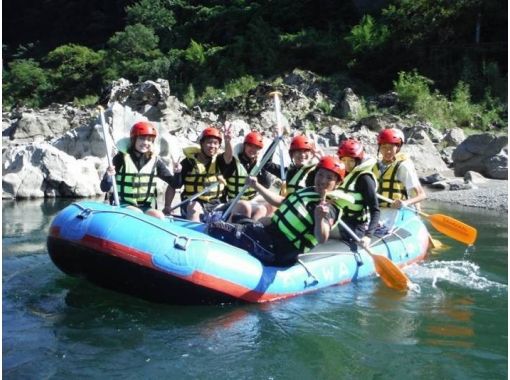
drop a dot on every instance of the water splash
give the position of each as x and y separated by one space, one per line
414 287
460 272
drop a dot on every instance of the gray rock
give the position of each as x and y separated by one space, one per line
433 178
474 177
483 153
350 105
453 137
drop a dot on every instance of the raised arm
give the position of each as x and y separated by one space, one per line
229 149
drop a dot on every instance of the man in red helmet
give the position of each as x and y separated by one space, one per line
237 171
363 215
201 167
395 172
134 171
303 219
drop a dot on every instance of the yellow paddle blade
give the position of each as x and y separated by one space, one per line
390 273
453 228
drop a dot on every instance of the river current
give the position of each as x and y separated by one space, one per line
58 327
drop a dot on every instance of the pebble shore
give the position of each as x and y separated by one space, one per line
491 195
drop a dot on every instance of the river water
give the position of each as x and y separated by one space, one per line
456 327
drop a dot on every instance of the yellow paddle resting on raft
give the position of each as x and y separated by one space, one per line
389 272
447 225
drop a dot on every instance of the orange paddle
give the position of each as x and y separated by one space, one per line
447 225
389 272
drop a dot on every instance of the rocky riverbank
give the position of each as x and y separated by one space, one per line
61 151
491 195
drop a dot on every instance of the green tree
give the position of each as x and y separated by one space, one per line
154 14
74 71
24 82
134 55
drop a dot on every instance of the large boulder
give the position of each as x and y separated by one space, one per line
41 170
24 125
484 153
40 126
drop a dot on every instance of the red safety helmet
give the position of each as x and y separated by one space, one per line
351 148
210 132
300 143
390 136
143 128
332 164
254 138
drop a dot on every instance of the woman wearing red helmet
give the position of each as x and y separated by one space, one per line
395 172
363 215
303 219
201 167
135 169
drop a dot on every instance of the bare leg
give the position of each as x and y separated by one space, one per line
155 213
134 208
169 197
242 208
258 211
193 211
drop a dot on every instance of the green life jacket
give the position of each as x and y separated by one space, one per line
295 218
200 177
237 180
389 185
136 187
298 180
356 210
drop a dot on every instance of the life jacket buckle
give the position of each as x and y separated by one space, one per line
182 242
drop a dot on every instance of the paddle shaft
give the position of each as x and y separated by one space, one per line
195 196
445 224
278 115
108 156
386 199
254 172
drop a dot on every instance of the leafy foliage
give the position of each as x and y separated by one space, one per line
134 54
25 82
74 69
417 97
217 48
367 35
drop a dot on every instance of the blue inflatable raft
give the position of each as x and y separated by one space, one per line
174 261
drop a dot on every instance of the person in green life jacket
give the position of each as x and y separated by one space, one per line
135 171
302 220
363 215
236 173
201 167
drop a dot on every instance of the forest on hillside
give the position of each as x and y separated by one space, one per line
70 50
